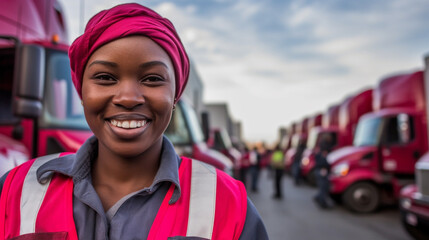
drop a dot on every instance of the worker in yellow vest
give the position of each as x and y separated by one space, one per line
277 163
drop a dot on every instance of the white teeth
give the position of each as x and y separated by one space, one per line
125 124
128 124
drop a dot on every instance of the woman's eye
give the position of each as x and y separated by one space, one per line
153 79
104 77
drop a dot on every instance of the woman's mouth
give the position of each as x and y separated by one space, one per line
128 123
128 127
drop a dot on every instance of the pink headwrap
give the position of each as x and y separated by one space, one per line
125 20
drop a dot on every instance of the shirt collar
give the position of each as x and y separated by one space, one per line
78 166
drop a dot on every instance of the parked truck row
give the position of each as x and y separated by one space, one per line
380 140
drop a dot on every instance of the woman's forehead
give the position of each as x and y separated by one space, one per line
131 48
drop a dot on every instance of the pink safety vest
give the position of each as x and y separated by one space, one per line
212 205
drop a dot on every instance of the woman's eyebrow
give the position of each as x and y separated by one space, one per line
153 63
106 63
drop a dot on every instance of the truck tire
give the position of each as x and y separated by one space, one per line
362 197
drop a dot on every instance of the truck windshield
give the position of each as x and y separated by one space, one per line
222 140
367 132
62 103
193 123
316 137
312 139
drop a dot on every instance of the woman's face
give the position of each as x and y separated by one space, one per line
128 94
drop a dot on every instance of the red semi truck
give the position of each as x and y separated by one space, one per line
386 146
329 126
220 140
299 136
340 122
39 107
414 198
286 141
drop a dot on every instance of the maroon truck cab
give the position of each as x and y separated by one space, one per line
340 122
300 135
220 140
39 106
386 146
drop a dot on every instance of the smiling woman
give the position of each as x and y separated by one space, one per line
126 182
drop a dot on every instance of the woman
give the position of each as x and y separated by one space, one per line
126 182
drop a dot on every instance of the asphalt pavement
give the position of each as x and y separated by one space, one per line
297 217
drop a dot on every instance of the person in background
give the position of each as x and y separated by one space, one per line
296 164
126 182
244 166
277 163
322 171
255 166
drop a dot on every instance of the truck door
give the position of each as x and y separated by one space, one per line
399 145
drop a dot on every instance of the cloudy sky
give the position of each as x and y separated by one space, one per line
276 61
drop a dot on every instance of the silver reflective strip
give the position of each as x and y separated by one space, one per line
202 200
32 195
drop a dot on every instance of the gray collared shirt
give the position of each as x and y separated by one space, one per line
132 216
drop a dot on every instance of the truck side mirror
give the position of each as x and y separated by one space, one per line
28 80
206 125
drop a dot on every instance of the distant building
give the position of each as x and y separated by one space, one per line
219 117
194 90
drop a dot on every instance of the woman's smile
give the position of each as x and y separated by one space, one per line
128 126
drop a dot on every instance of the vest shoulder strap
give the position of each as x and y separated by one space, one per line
33 194
211 205
26 206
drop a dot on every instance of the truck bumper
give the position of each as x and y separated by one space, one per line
416 221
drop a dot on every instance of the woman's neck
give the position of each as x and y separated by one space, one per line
116 176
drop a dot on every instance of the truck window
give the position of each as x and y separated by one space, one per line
399 130
218 141
177 132
7 60
62 103
312 138
367 132
193 123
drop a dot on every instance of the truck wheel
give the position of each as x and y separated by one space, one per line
362 197
311 178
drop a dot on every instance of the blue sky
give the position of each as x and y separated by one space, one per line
275 62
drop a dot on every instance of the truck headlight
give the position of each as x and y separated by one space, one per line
406 203
341 169
305 161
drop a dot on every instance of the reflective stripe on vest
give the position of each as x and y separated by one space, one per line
32 195
202 201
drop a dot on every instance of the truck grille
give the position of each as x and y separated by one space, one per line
422 177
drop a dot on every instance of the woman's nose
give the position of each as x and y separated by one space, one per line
129 94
